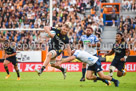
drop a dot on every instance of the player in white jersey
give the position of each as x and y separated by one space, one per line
94 66
85 57
90 43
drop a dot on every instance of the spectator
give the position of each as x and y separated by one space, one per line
98 31
113 16
128 5
103 1
73 2
111 1
92 3
101 23
134 5
95 18
93 12
134 48
82 7
127 26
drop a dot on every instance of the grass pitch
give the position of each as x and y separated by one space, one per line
53 81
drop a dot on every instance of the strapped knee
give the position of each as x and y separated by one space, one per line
53 53
52 61
112 68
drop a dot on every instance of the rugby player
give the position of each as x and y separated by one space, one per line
10 56
94 66
90 43
59 42
121 50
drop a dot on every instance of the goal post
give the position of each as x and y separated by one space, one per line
20 29
51 13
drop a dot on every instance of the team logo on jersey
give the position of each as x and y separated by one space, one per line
91 38
117 50
60 50
98 69
117 45
91 59
120 47
63 38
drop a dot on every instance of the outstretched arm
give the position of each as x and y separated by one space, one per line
110 53
47 30
94 45
127 54
79 44
10 55
68 59
68 49
4 54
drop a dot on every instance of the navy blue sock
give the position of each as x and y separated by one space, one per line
95 74
6 68
42 69
62 69
18 75
83 72
105 81
113 80
98 78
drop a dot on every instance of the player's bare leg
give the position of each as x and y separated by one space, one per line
54 60
48 59
46 62
90 76
50 56
83 72
112 68
106 77
6 62
63 70
17 71
120 74
124 72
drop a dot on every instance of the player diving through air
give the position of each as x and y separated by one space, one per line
93 66
59 41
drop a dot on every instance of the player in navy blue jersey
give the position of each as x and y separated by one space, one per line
121 50
59 42
10 56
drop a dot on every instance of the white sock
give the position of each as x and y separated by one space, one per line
112 68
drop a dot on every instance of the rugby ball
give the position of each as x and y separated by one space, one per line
52 32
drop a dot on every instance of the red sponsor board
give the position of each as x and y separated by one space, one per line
71 67
129 66
30 67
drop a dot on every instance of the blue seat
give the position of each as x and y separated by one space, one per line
109 22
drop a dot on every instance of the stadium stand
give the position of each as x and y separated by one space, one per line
129 5
35 14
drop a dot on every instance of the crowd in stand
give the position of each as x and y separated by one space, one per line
128 27
129 5
35 14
